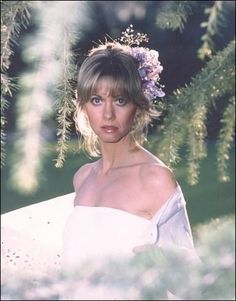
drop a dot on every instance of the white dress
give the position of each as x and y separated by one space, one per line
53 236
114 232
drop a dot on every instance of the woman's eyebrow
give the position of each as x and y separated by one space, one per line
110 95
95 94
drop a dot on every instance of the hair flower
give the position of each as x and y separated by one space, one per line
149 64
149 71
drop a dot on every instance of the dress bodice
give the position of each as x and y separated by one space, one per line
93 232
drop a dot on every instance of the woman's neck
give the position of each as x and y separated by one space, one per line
117 154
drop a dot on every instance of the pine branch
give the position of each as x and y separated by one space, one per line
172 137
33 105
216 79
196 147
66 107
213 25
46 51
3 137
174 14
225 140
66 97
7 87
14 16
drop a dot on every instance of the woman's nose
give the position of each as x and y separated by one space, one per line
108 112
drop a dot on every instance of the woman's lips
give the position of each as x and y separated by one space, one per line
109 129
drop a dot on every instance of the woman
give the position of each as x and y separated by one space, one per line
128 200
125 202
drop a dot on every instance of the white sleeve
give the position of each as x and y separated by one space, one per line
172 223
175 231
173 228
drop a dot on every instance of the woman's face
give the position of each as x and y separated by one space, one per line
110 117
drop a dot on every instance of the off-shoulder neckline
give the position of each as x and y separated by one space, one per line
176 190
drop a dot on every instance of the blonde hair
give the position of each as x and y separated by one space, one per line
114 63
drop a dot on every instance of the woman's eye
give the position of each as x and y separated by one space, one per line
95 100
121 101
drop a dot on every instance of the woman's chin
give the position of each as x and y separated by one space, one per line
110 138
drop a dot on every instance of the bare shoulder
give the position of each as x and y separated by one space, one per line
81 174
158 180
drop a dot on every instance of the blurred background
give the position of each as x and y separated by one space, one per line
29 174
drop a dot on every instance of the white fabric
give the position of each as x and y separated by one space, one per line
114 232
32 237
39 238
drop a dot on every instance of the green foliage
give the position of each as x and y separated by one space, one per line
66 96
47 83
65 109
6 88
174 14
188 106
215 242
14 16
216 20
226 137
185 122
195 141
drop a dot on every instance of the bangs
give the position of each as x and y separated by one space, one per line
117 79
115 86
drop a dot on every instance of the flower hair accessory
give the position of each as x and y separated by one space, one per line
149 64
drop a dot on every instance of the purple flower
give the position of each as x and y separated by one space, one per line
149 70
143 72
